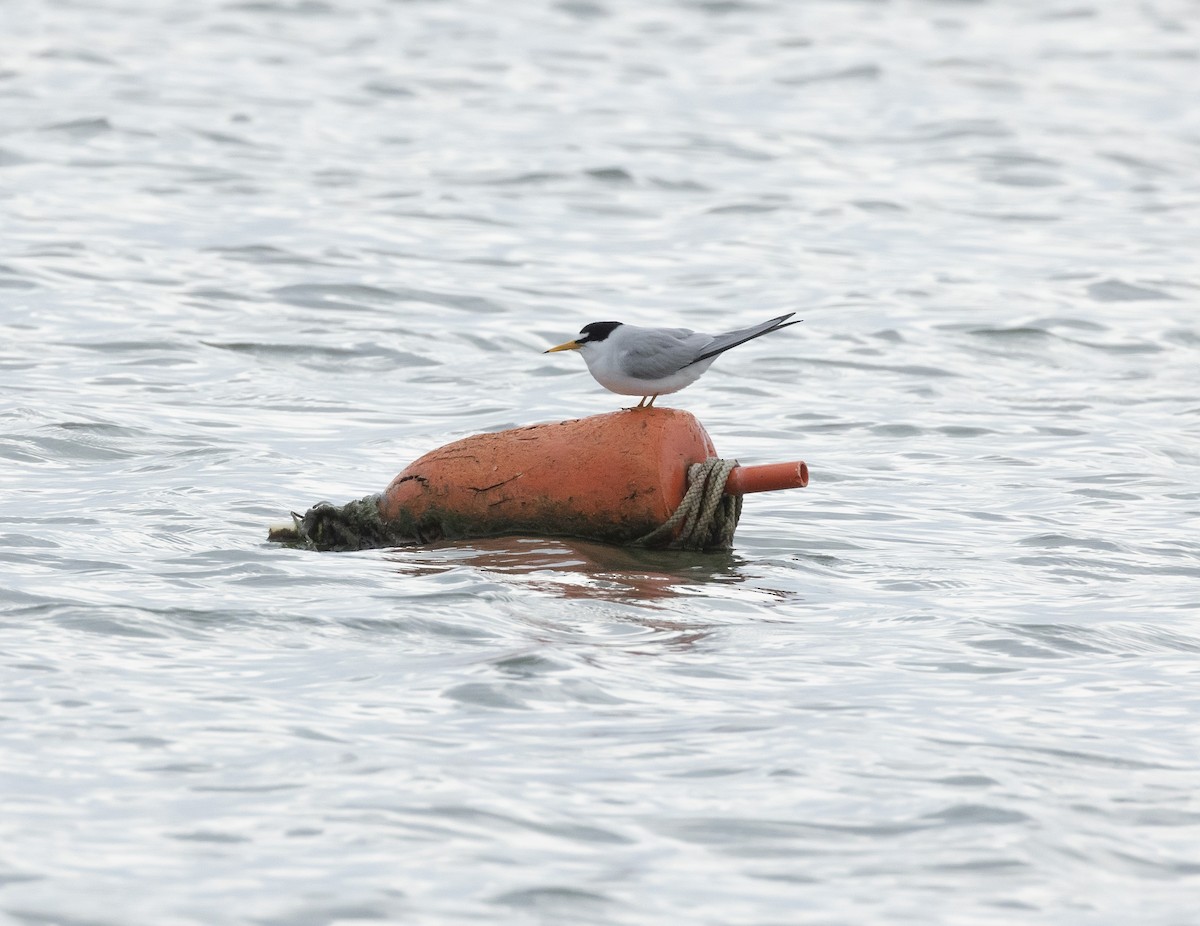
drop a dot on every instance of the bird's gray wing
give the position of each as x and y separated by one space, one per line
722 342
658 352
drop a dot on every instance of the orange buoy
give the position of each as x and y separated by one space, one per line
612 477
615 477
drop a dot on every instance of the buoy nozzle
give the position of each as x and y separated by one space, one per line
767 478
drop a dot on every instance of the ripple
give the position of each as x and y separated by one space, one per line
551 899
265 254
742 208
294 8
482 694
956 129
224 138
1020 332
334 295
335 358
867 72
349 297
1118 291
974 814
583 9
532 178
879 205
389 89
616 175
82 129
11 158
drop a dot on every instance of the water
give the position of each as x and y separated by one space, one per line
258 255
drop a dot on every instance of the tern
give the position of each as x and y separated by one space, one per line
650 362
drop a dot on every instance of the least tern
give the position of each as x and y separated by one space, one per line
650 362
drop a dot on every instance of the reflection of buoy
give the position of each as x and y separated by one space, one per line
617 478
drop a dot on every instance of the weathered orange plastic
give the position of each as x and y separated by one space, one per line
612 477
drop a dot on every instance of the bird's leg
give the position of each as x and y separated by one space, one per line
641 403
650 404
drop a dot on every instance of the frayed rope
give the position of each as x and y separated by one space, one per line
706 518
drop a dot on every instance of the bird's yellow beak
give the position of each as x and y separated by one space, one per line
570 345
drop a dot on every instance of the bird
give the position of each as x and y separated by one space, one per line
650 362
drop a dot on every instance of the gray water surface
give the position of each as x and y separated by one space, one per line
258 255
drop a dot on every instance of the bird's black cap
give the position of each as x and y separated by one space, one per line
597 331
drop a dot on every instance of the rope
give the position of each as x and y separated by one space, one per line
354 526
706 518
